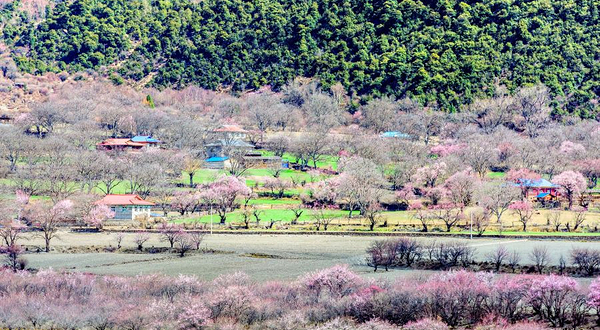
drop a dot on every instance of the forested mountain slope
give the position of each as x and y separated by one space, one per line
442 53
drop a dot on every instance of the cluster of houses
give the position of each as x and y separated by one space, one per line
233 139
227 140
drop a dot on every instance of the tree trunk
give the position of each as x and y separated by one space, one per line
47 244
191 174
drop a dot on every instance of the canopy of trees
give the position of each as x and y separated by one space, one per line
442 53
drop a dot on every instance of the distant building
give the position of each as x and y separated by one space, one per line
395 135
216 163
127 206
540 190
120 144
231 132
126 144
220 148
146 140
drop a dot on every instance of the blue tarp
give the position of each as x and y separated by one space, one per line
217 159
542 195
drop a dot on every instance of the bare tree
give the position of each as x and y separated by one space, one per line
44 117
480 219
140 239
119 239
489 114
13 144
379 114
298 210
183 244
322 110
513 260
425 217
381 253
531 105
588 261
310 147
322 217
579 216
196 239
448 213
170 233
496 197
190 166
360 184
497 257
47 218
554 219
238 163
540 258
278 144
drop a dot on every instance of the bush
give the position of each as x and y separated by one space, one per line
426 324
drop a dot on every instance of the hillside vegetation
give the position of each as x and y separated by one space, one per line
442 53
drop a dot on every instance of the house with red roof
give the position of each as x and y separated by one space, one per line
231 132
127 206
120 144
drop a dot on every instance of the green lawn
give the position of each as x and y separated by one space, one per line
325 162
266 201
266 215
496 175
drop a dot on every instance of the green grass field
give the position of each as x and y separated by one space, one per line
276 214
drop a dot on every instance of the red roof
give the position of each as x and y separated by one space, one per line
231 129
120 142
126 199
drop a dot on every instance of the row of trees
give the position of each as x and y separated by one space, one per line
333 298
408 252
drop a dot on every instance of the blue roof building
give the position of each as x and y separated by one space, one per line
539 183
393 134
145 139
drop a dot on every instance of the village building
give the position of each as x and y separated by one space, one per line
135 143
540 190
231 132
127 206
394 135
119 144
147 141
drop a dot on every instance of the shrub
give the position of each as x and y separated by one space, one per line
337 281
458 297
556 299
426 324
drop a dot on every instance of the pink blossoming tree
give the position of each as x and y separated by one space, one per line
48 218
222 193
97 215
571 184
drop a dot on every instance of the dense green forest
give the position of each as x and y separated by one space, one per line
442 53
